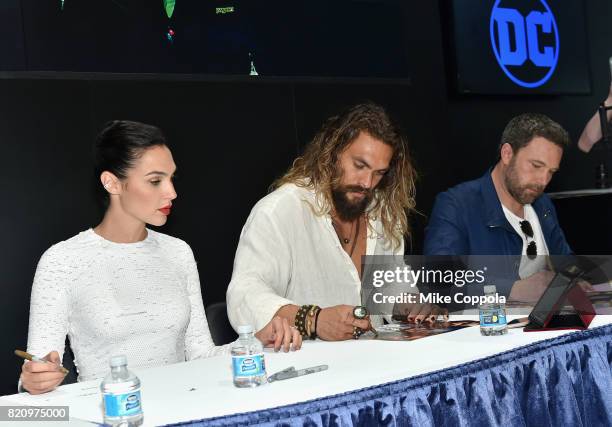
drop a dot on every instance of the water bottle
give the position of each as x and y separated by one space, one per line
121 395
492 314
248 363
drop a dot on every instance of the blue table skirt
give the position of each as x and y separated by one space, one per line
565 381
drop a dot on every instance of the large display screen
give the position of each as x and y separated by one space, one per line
519 46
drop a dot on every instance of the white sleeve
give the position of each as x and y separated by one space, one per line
198 340
50 303
262 271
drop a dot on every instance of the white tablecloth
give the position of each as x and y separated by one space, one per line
203 388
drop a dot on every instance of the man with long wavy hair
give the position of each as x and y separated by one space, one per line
347 196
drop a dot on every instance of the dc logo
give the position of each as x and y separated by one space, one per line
525 41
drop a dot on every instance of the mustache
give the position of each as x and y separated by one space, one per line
356 189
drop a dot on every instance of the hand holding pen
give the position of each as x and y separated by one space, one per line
426 314
41 375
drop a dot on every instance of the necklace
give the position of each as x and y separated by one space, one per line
347 240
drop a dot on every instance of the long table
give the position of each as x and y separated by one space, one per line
457 378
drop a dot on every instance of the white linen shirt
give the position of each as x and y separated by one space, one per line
287 254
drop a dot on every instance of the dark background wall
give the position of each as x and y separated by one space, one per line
232 137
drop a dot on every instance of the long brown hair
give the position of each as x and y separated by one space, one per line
317 168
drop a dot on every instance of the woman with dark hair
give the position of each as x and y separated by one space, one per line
120 287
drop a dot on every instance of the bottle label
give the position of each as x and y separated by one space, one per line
122 405
492 318
248 365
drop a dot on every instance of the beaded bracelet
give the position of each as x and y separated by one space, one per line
313 314
300 320
316 322
304 320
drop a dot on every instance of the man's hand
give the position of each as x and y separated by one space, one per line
336 323
417 313
531 288
39 377
279 334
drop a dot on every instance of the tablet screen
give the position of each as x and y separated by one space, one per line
559 285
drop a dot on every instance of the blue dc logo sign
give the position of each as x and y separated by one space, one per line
525 41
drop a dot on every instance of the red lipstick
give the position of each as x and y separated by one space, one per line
165 210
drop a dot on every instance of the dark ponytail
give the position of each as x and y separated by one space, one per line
117 148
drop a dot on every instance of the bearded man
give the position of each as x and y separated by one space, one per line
300 251
505 212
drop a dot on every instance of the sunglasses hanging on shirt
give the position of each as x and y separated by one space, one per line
532 249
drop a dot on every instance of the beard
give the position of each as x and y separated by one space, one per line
346 209
518 191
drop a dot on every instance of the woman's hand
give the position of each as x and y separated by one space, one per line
39 377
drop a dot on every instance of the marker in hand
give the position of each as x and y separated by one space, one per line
28 356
